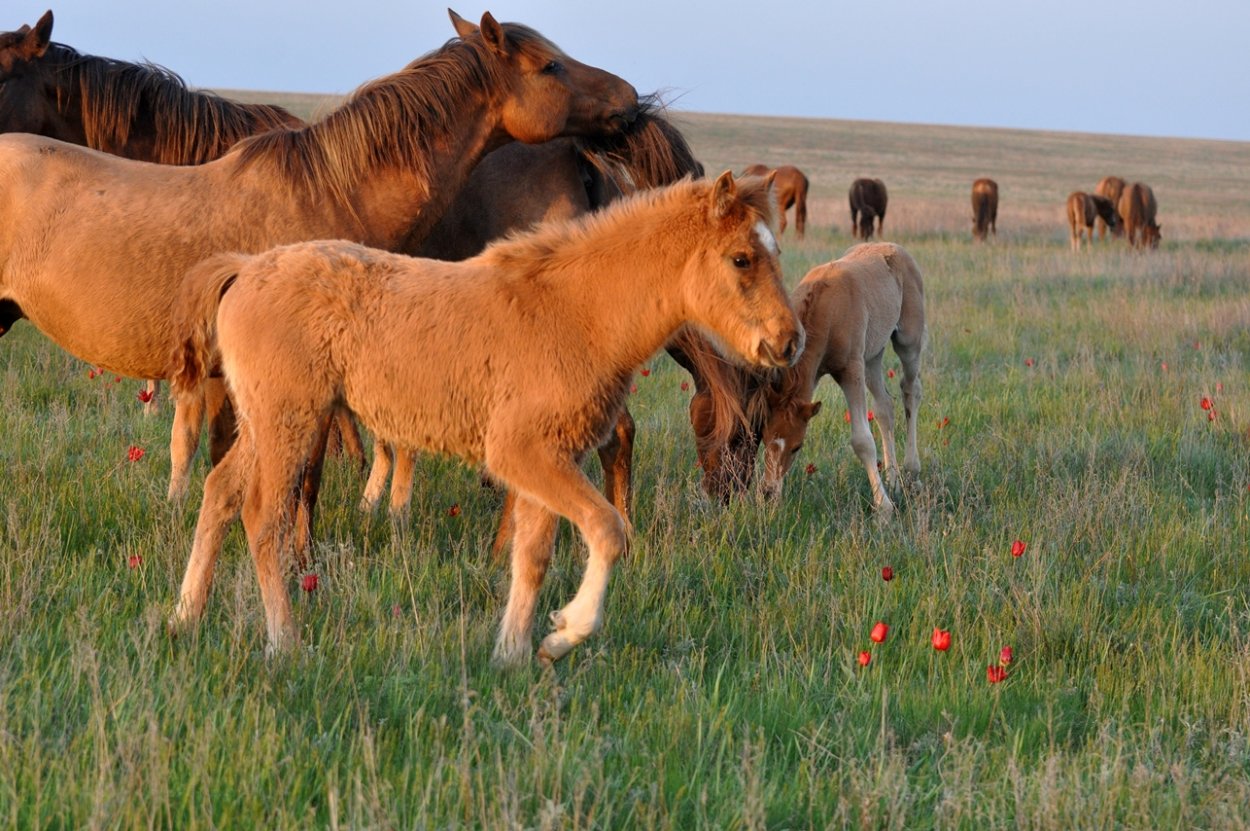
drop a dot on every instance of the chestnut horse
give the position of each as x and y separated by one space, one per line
1110 187
518 359
1083 209
851 308
95 245
139 111
1138 209
984 209
868 199
790 188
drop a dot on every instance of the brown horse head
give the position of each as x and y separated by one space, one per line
550 94
745 302
24 106
789 416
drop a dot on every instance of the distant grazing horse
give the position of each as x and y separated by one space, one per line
518 359
984 208
1138 208
851 308
1083 209
790 187
1110 187
95 246
868 199
140 111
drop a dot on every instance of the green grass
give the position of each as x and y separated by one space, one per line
723 691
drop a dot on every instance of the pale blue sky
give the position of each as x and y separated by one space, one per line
1107 66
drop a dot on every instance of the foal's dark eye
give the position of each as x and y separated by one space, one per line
741 261
553 67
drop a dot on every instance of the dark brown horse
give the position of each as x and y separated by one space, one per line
1138 209
790 188
1110 187
984 208
1083 209
868 199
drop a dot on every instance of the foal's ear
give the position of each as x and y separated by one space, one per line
724 194
37 39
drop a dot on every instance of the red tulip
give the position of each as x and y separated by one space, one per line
134 454
1206 403
1164 366
454 510
995 674
941 639
134 561
145 396
879 631
91 374
685 385
1018 547
397 610
1219 386
1028 362
889 373
810 469
870 415
887 574
117 379
943 422
645 372
633 388
1211 416
864 658
847 416
1005 655
309 583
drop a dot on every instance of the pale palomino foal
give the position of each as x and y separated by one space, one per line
851 309
518 360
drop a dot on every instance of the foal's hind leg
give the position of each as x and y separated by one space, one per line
223 498
401 481
851 381
533 538
616 457
908 346
557 482
883 410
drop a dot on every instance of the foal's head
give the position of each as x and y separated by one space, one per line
27 89
784 433
733 286
546 93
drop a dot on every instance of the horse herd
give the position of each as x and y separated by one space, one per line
351 271
1127 210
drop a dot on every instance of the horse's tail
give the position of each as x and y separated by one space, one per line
196 357
800 206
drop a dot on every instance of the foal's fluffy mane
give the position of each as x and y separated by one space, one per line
549 240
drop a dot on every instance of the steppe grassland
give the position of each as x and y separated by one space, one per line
724 691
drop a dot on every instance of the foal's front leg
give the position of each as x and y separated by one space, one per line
852 384
533 538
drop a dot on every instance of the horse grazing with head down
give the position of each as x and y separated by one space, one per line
984 209
1138 209
851 308
868 198
790 187
518 359
1083 209
95 245
1110 188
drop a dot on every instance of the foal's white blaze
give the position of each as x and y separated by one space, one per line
767 239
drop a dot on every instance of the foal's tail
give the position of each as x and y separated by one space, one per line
195 357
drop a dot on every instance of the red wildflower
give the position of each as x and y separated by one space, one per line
864 658
889 373
685 385
941 639
870 415
847 417
454 510
117 379
1028 362
887 574
810 469
309 583
134 454
645 372
1018 547
1206 403
145 396
1219 386
995 674
91 374
1164 366
943 422
633 388
134 561
1211 416
879 631
1006 656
